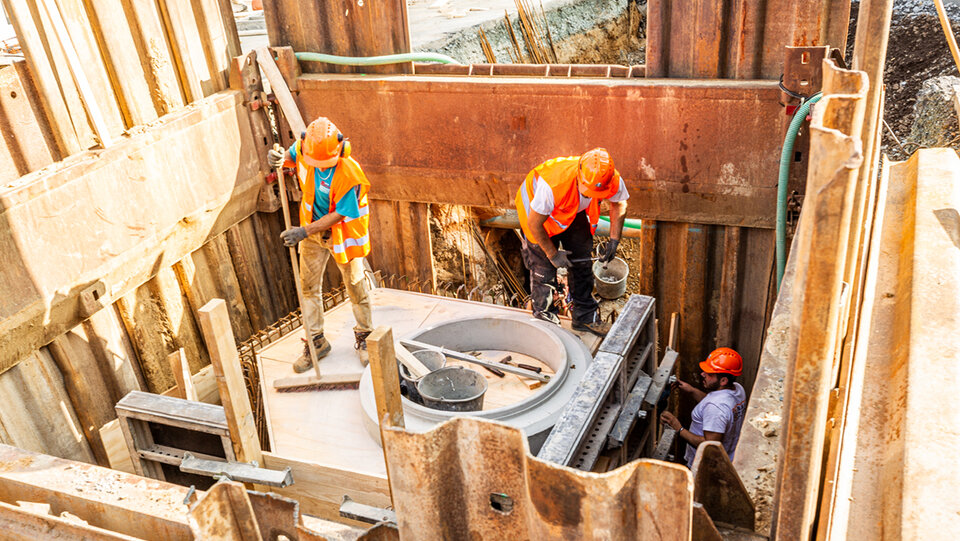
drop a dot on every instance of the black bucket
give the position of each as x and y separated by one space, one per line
453 388
433 360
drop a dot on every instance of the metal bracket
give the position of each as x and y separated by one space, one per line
366 513
237 471
802 74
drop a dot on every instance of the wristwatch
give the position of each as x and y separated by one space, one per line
679 431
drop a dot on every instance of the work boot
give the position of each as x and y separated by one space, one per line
361 346
599 328
304 363
549 317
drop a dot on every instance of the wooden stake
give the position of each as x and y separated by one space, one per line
181 373
215 325
948 32
386 385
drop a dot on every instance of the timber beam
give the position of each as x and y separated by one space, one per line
703 151
77 235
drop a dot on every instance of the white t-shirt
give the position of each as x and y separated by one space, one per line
542 202
720 411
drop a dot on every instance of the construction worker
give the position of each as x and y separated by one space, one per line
334 219
718 414
559 205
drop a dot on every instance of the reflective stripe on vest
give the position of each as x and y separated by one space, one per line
349 238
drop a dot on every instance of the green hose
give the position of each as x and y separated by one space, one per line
629 223
376 60
786 156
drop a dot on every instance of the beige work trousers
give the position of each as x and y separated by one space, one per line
314 254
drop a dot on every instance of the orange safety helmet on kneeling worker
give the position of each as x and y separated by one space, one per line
723 361
323 144
595 173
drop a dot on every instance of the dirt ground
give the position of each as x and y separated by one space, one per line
917 51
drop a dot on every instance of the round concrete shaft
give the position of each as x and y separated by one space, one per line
564 352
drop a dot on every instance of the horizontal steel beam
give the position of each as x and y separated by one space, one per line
703 151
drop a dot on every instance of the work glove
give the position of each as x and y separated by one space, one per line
275 158
611 250
293 236
561 259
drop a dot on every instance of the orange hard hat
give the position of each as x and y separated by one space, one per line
322 143
723 361
595 174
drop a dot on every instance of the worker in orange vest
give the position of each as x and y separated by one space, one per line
559 205
334 222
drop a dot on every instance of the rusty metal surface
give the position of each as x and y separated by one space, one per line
532 70
469 478
739 39
340 27
471 141
820 250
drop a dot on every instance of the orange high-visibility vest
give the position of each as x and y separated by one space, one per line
350 237
561 175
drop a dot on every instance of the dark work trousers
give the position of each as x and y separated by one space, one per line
543 275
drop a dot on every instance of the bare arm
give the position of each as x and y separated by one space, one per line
687 436
685 387
535 222
323 223
618 212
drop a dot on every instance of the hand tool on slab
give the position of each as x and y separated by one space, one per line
509 360
471 359
290 111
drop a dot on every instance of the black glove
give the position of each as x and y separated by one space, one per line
293 235
275 158
611 251
561 259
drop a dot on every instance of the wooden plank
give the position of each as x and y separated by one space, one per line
648 259
233 390
118 45
137 435
205 384
25 17
87 95
21 523
386 383
207 274
291 111
191 198
43 419
159 321
118 455
219 45
320 489
275 260
88 389
25 147
156 57
242 241
187 48
118 502
181 373
114 352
